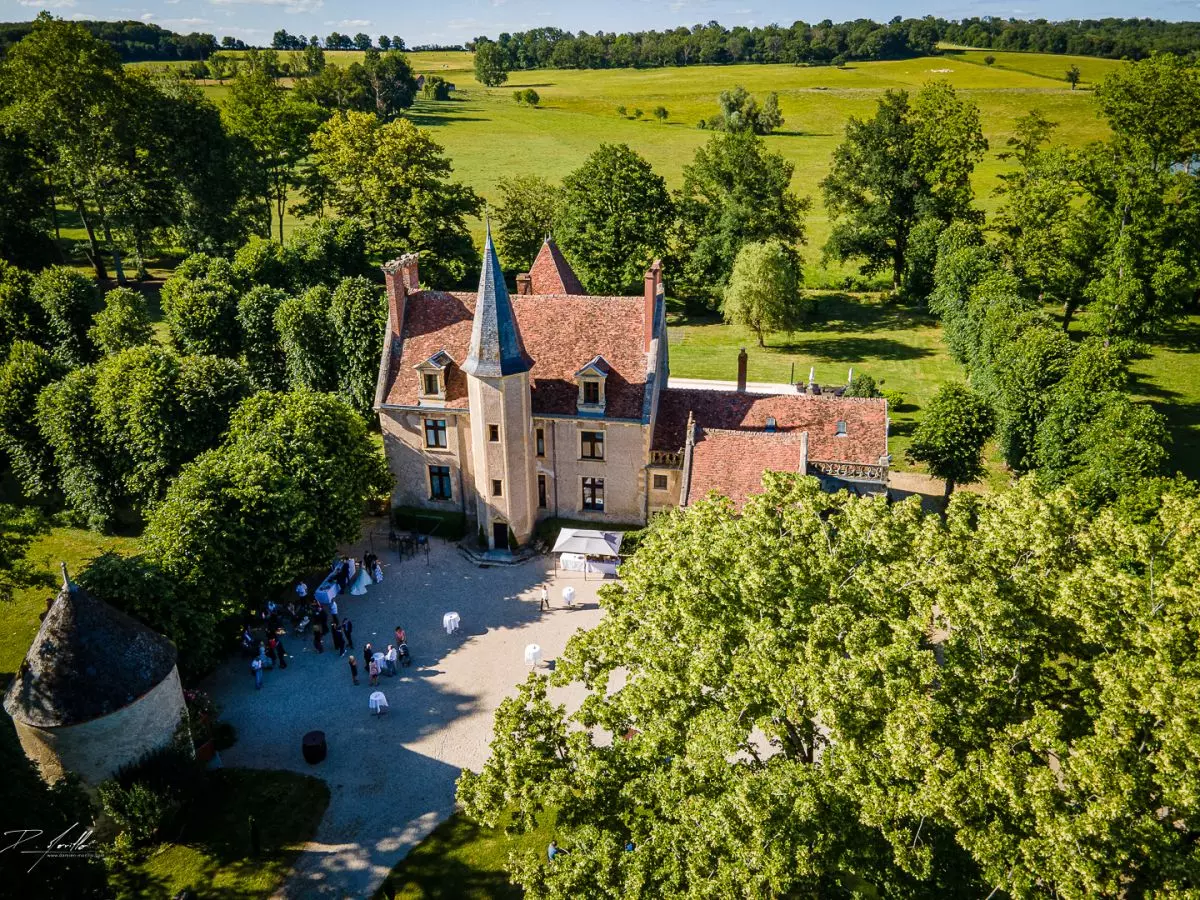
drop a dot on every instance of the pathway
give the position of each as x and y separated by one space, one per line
392 777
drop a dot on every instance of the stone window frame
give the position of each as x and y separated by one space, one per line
497 487
593 375
654 481
443 432
539 438
435 481
594 444
594 502
493 433
436 367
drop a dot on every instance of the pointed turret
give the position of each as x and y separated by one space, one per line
496 347
551 273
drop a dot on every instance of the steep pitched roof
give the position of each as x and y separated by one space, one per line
88 660
496 347
865 440
562 337
551 273
733 463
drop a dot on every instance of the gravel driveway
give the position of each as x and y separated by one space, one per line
391 777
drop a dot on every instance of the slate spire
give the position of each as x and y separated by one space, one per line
496 347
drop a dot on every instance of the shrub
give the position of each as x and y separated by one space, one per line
863 385
224 736
512 541
436 88
637 113
989 60
661 113
145 797
621 111
895 400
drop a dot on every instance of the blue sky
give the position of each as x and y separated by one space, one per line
453 21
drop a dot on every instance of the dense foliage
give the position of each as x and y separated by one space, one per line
764 290
996 702
132 40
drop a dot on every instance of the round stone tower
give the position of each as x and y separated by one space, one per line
97 690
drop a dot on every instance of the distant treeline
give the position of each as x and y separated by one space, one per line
133 40
829 43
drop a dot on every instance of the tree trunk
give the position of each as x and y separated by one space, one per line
97 257
112 245
897 271
1069 308
949 489
53 205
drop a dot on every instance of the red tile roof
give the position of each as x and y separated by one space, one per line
866 420
560 342
551 273
732 463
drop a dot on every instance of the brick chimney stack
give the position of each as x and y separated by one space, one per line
653 287
524 284
742 358
402 278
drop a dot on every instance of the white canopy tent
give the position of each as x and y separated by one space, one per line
583 550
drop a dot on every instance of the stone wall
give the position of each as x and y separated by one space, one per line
409 458
95 750
623 469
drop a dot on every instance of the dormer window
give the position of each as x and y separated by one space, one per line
592 379
841 429
771 424
432 373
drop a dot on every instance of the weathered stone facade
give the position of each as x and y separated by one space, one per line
554 403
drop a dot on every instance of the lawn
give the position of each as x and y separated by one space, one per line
899 346
213 856
461 861
20 621
1169 378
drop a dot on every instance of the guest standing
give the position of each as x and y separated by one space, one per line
348 631
390 659
282 654
367 654
401 638
318 638
373 668
333 607
256 667
353 670
377 570
544 597
339 639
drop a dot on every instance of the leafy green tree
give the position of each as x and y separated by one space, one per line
68 300
362 41
261 261
661 113
436 88
734 192
862 385
764 290
391 84
278 126
523 218
911 160
25 373
335 89
67 420
1073 76
262 351
200 302
395 180
306 335
123 323
358 314
950 438
1122 447
740 112
20 317
1025 369
327 251
612 218
284 490
491 67
25 205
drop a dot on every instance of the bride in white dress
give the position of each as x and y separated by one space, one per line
359 587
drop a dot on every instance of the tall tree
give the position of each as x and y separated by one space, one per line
612 219
123 323
764 290
262 352
312 354
25 205
200 302
69 300
911 160
950 438
277 126
395 180
491 66
358 313
390 81
523 218
24 374
734 192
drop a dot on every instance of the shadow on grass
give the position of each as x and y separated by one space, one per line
853 349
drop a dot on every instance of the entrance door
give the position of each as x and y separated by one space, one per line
500 535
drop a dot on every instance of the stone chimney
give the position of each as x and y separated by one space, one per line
653 287
524 284
742 370
403 279
804 453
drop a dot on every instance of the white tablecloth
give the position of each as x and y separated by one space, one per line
568 595
602 567
378 702
327 591
533 654
450 622
572 562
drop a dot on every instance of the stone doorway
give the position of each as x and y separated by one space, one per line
500 535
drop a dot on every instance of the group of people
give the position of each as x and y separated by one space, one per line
383 662
352 576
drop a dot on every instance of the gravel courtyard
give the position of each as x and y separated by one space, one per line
391 777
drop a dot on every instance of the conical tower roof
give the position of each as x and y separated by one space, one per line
496 347
89 659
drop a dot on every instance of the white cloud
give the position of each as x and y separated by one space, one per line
48 4
168 23
350 23
291 6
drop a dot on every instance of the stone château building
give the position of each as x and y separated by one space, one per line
554 403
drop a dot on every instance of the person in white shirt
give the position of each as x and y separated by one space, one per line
301 589
390 659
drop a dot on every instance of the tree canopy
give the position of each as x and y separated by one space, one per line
764 290
982 704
